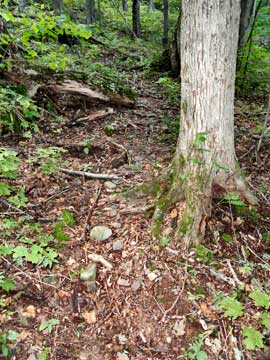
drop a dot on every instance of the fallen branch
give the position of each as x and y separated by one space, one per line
100 259
76 88
94 116
90 175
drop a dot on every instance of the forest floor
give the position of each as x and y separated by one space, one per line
148 301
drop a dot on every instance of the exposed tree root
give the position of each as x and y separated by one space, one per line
183 207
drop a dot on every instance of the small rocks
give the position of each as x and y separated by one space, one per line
136 285
122 282
117 245
89 274
100 233
152 276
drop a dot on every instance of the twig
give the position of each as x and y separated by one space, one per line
27 275
90 175
239 282
166 312
89 215
22 212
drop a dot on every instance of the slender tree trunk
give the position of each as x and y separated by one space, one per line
165 39
21 5
151 6
247 7
175 48
136 21
125 5
90 11
58 6
205 156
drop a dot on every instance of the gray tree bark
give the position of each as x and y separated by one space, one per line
205 153
247 8
125 5
165 39
58 6
136 20
151 6
90 11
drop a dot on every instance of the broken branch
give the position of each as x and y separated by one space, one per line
90 175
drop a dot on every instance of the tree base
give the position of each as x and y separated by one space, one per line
182 211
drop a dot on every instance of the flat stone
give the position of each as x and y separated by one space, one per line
136 285
100 233
122 282
152 276
110 185
90 273
117 245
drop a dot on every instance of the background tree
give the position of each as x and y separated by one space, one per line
151 5
165 39
136 20
90 11
205 153
58 6
125 5
247 9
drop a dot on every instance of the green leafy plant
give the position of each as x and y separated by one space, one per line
204 254
265 320
4 338
233 199
19 200
260 299
9 163
48 325
194 350
172 89
253 339
50 159
18 113
6 284
232 307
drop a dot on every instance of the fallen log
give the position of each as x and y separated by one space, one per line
90 175
76 88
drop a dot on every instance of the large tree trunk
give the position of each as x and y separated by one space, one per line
205 154
136 20
165 39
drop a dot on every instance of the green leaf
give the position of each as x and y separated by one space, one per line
232 307
7 284
12 335
265 320
260 299
6 250
68 218
253 338
59 233
49 325
19 252
4 189
44 355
